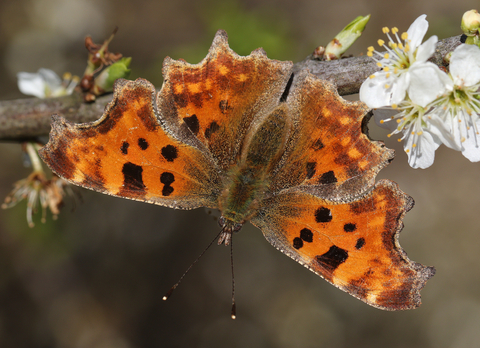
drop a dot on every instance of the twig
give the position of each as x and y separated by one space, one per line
28 118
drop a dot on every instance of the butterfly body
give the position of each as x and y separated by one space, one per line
248 181
245 136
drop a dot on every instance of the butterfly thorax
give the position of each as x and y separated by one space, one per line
246 182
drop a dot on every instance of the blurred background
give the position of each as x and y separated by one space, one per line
96 276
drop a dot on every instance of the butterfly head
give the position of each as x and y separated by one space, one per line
228 228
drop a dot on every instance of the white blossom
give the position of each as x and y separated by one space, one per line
418 131
405 59
46 83
459 107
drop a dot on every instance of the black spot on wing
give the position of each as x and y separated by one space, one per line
167 179
169 152
124 148
306 235
349 227
212 128
323 215
297 243
333 258
327 178
132 177
360 243
192 123
142 143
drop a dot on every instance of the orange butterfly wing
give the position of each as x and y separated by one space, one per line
329 152
222 97
130 154
353 245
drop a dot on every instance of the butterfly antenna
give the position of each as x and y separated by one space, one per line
234 307
169 293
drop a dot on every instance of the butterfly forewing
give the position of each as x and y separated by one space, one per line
222 97
128 154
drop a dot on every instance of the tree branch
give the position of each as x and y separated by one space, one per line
28 118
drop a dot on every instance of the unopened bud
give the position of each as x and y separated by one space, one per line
104 82
346 38
471 22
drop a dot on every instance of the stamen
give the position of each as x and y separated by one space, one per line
420 133
414 145
386 56
386 68
387 86
379 64
404 36
372 76
380 42
394 30
385 30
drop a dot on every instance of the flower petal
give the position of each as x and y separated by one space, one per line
442 130
423 154
465 65
426 49
31 84
399 88
471 142
373 91
427 83
385 115
50 77
417 31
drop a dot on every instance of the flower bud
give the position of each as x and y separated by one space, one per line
346 38
470 22
104 82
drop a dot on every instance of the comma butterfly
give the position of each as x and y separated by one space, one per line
246 136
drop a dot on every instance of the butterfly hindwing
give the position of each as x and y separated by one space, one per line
353 245
127 153
329 153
